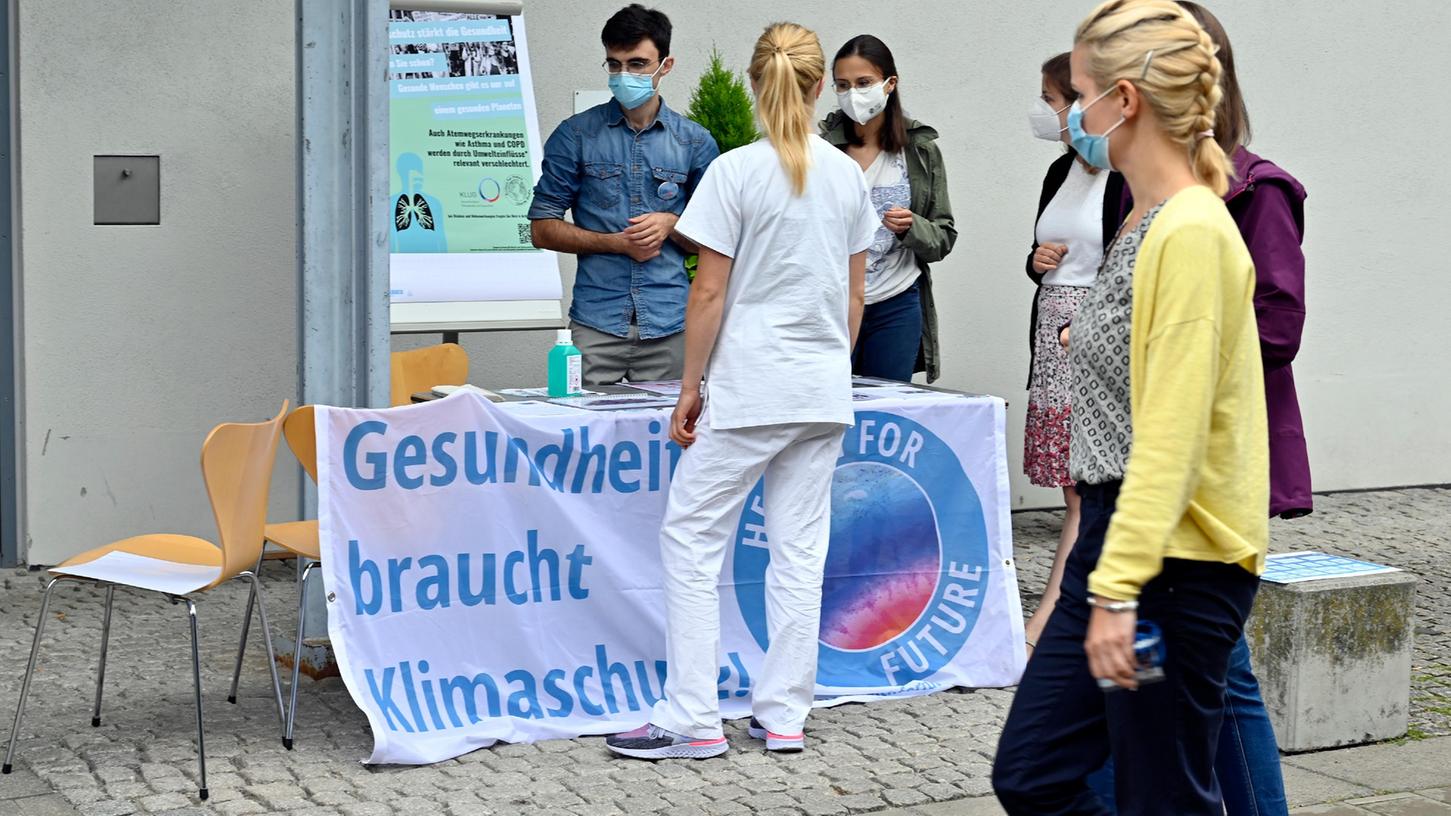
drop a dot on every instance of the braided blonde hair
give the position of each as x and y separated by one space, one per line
1170 58
787 67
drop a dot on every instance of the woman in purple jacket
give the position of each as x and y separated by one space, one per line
1268 204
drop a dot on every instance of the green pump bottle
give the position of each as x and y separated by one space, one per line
565 367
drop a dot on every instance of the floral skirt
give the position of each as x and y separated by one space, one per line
1045 441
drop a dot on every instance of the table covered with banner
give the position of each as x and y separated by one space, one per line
493 571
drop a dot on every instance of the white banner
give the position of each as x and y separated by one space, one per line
495 576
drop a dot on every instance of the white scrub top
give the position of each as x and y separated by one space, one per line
783 354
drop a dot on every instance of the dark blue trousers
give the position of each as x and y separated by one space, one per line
1248 763
890 337
1164 736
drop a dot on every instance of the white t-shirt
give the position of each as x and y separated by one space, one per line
891 266
783 354
1075 217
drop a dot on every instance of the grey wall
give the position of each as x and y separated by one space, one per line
1342 94
139 339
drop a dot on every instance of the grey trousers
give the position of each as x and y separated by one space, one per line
609 359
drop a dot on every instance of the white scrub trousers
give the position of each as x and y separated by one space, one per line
707 494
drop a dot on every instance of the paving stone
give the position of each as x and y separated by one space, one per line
333 798
979 806
471 809
22 782
164 801
1409 766
240 807
46 805
278 796
367 809
1402 804
905 797
1304 787
822 804
597 809
107 807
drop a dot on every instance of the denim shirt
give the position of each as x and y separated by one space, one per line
598 166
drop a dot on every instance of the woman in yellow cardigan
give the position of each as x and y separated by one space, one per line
1168 445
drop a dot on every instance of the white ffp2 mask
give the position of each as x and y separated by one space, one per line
861 105
1045 121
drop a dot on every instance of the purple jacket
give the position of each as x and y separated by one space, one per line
1268 204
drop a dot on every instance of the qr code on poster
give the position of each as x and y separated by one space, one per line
526 236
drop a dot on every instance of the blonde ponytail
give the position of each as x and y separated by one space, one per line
787 68
1211 165
1168 56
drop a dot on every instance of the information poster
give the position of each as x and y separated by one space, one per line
465 152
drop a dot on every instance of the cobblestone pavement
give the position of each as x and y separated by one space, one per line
914 753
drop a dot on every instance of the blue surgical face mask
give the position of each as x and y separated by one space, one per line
1092 147
633 90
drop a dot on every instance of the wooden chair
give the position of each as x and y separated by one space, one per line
237 461
421 369
296 539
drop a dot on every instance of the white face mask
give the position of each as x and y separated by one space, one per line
1045 121
863 104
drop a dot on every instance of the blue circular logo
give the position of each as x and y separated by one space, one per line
489 190
907 564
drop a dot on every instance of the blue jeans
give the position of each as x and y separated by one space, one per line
1062 727
890 337
1248 762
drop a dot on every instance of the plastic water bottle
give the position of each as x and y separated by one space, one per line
565 367
1148 654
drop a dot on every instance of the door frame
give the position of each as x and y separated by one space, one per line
11 436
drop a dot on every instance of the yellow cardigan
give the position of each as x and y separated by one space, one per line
1197 482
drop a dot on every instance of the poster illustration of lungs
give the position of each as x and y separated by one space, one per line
464 155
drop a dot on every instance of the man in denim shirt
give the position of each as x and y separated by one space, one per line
626 169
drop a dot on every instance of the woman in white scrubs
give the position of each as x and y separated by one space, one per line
783 227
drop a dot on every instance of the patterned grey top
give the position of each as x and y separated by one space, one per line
1098 353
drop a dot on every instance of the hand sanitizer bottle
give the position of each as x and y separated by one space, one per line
565 367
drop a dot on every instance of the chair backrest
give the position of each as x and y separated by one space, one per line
237 461
301 435
421 369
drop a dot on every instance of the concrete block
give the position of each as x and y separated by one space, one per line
1333 657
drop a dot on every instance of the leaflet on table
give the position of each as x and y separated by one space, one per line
535 408
612 402
895 391
1296 567
534 392
665 388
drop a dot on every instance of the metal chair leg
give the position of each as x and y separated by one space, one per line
246 627
297 652
196 674
105 643
267 640
29 670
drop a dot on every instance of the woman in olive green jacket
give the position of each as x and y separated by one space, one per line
904 170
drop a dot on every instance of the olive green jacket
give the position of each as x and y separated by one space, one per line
933 231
